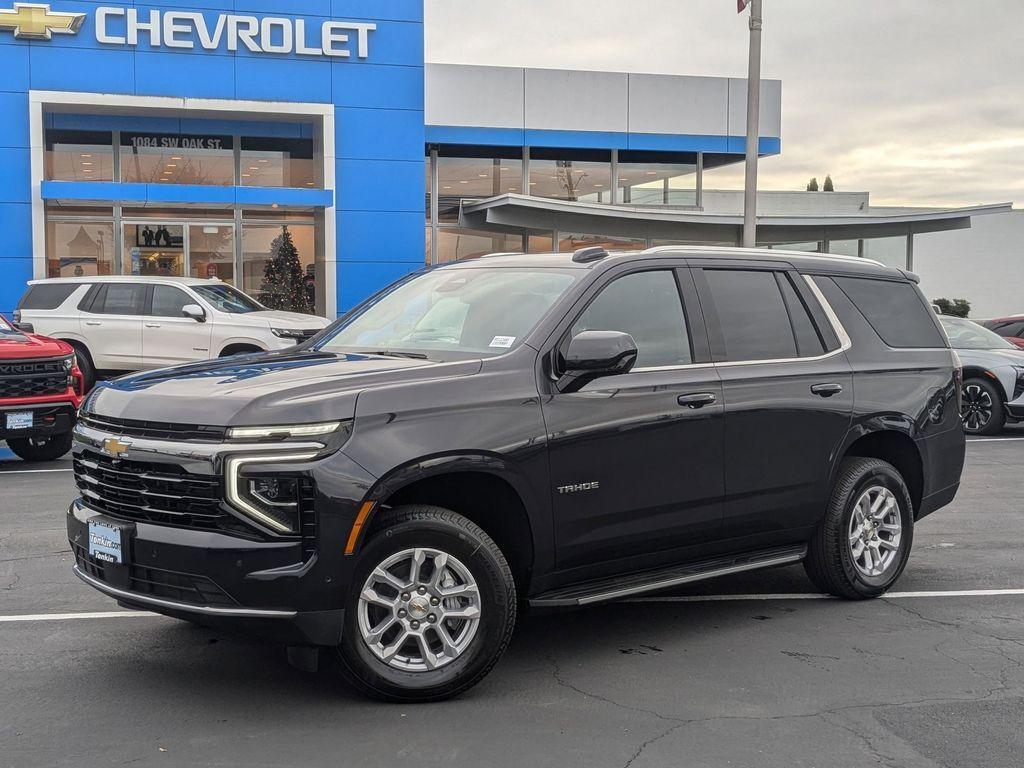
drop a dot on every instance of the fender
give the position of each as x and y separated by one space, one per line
894 422
538 511
223 344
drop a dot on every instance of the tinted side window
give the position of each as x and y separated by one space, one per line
753 315
808 340
119 299
647 306
895 310
47 296
168 302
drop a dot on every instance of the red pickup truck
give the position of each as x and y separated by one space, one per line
41 389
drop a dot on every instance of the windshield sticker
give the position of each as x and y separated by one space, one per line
503 342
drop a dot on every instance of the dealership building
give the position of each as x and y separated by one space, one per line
210 138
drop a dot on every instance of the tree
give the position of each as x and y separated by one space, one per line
284 279
954 307
812 185
829 187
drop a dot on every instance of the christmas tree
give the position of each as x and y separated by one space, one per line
284 279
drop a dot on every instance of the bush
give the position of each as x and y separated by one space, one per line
953 307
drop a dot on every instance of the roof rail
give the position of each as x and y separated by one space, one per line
586 255
501 253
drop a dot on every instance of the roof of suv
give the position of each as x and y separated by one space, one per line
126 279
799 259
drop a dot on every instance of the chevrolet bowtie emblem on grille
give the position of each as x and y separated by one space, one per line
116 448
35 21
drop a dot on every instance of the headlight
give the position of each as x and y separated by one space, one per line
273 499
284 431
291 333
70 362
1018 388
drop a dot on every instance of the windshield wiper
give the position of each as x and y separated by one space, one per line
410 355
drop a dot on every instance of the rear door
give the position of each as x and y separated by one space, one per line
111 323
168 337
636 459
788 393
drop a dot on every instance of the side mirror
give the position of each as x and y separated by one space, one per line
195 312
593 354
24 327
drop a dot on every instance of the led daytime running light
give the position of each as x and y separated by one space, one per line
283 431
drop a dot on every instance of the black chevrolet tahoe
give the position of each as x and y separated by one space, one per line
525 431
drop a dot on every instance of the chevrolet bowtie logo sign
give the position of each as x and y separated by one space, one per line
116 448
35 21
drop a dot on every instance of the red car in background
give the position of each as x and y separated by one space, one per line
41 389
1010 328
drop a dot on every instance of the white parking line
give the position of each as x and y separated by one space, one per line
995 440
76 616
31 471
820 596
667 599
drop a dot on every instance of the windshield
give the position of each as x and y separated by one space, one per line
965 334
461 312
228 299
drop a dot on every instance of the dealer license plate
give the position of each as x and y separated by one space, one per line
19 420
106 542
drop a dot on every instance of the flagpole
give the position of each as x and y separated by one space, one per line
753 112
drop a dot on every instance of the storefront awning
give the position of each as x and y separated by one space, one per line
523 214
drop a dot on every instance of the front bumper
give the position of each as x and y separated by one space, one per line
48 418
211 578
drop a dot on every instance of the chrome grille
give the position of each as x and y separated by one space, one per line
155 430
152 492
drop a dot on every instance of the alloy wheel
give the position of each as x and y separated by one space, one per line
977 408
875 532
419 609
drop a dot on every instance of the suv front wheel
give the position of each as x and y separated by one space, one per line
861 547
984 413
431 608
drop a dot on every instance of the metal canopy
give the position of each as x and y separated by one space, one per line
523 214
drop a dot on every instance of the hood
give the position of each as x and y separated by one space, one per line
255 390
278 319
15 345
992 358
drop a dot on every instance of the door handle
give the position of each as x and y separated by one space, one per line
153 325
697 401
826 390
93 323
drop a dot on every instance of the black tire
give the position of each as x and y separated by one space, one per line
830 562
41 448
85 365
431 527
981 399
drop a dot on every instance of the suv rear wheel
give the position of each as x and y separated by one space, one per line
41 448
862 546
431 608
984 413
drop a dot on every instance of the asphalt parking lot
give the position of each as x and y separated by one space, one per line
749 671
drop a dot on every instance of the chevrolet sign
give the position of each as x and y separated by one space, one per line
191 29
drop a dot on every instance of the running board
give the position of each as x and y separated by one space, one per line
650 581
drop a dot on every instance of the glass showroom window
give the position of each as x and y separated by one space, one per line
79 155
279 267
78 248
454 244
649 178
271 162
475 178
583 176
160 158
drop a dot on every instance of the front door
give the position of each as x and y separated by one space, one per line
168 337
788 395
112 315
203 249
636 459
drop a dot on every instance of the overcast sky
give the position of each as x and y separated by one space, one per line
917 101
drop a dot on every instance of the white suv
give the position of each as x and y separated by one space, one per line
122 324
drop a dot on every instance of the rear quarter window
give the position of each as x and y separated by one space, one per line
48 295
895 310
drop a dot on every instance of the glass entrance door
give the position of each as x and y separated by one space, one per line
177 249
154 249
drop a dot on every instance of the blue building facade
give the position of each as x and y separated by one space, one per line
209 138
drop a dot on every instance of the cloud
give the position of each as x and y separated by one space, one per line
919 102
